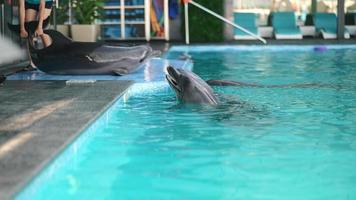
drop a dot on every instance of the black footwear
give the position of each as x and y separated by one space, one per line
29 68
2 78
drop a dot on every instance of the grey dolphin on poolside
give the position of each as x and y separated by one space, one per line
190 88
67 57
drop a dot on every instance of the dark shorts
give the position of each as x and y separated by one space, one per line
36 7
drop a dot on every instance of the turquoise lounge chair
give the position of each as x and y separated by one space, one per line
326 25
247 21
284 26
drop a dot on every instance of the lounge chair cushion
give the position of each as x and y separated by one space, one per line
247 21
326 22
283 20
284 25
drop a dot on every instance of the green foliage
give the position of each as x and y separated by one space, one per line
62 12
204 27
87 11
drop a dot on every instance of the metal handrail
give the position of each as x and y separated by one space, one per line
223 19
2 17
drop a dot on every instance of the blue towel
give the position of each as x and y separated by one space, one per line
173 9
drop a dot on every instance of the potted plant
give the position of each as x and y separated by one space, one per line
62 17
85 14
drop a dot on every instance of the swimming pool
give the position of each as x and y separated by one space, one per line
261 143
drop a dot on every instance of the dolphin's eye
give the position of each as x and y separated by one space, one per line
184 79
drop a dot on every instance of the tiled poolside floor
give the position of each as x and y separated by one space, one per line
39 118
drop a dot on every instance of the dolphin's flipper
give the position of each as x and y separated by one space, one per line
123 70
120 71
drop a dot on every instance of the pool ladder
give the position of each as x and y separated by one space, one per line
217 16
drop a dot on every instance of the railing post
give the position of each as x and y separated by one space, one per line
55 14
2 28
340 19
186 23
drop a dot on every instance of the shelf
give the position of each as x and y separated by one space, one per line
135 38
134 22
135 7
112 7
126 7
109 23
111 38
118 23
126 19
157 38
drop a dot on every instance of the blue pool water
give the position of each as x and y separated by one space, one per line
260 143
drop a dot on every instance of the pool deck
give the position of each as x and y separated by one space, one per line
38 119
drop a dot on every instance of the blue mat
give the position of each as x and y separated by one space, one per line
152 71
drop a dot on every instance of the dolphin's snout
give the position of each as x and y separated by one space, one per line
172 72
172 77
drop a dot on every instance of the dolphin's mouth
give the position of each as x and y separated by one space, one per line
172 78
173 82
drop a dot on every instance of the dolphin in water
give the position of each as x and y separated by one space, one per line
190 88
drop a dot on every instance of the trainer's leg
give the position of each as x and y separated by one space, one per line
22 15
31 15
47 41
47 13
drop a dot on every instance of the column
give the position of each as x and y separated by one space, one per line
314 6
340 19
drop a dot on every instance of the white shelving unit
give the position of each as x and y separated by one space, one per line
138 27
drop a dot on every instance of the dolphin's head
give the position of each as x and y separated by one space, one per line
189 87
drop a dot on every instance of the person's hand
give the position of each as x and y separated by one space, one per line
23 33
39 31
